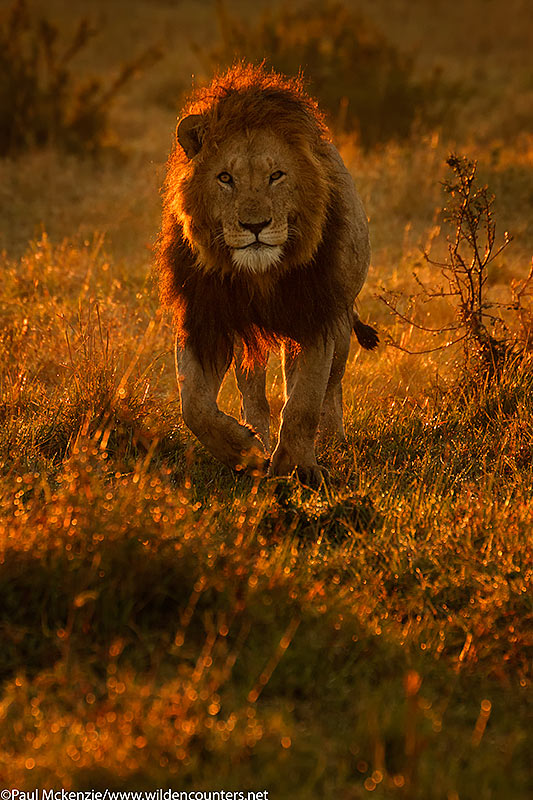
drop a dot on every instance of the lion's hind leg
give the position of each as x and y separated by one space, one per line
255 410
331 416
232 443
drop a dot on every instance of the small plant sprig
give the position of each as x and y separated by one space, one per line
471 250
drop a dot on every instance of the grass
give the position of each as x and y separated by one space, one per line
167 623
163 619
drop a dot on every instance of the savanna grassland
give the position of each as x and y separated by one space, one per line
167 623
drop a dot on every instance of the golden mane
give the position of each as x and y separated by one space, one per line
248 96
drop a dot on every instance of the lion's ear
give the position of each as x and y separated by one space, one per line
190 134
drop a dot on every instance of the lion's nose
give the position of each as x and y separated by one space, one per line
255 227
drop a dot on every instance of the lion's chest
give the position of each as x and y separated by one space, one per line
301 305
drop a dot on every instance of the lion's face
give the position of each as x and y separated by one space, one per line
245 203
253 191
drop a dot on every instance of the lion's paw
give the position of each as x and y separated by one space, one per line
312 476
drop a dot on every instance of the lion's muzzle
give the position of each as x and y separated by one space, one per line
255 227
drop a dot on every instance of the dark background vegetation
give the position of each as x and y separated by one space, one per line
167 623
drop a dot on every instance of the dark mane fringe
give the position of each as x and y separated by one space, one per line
303 305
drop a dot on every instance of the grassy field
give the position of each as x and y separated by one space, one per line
166 623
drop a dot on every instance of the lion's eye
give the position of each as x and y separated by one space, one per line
276 176
225 177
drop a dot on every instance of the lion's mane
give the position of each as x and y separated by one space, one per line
301 298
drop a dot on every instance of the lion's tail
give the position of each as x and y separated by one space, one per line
367 336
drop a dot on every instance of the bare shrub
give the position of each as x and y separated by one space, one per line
472 249
42 101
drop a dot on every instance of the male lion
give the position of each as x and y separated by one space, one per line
264 242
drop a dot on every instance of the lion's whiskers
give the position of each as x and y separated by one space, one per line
219 238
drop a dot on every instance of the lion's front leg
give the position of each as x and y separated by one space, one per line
234 444
306 377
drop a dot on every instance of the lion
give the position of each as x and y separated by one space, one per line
264 244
